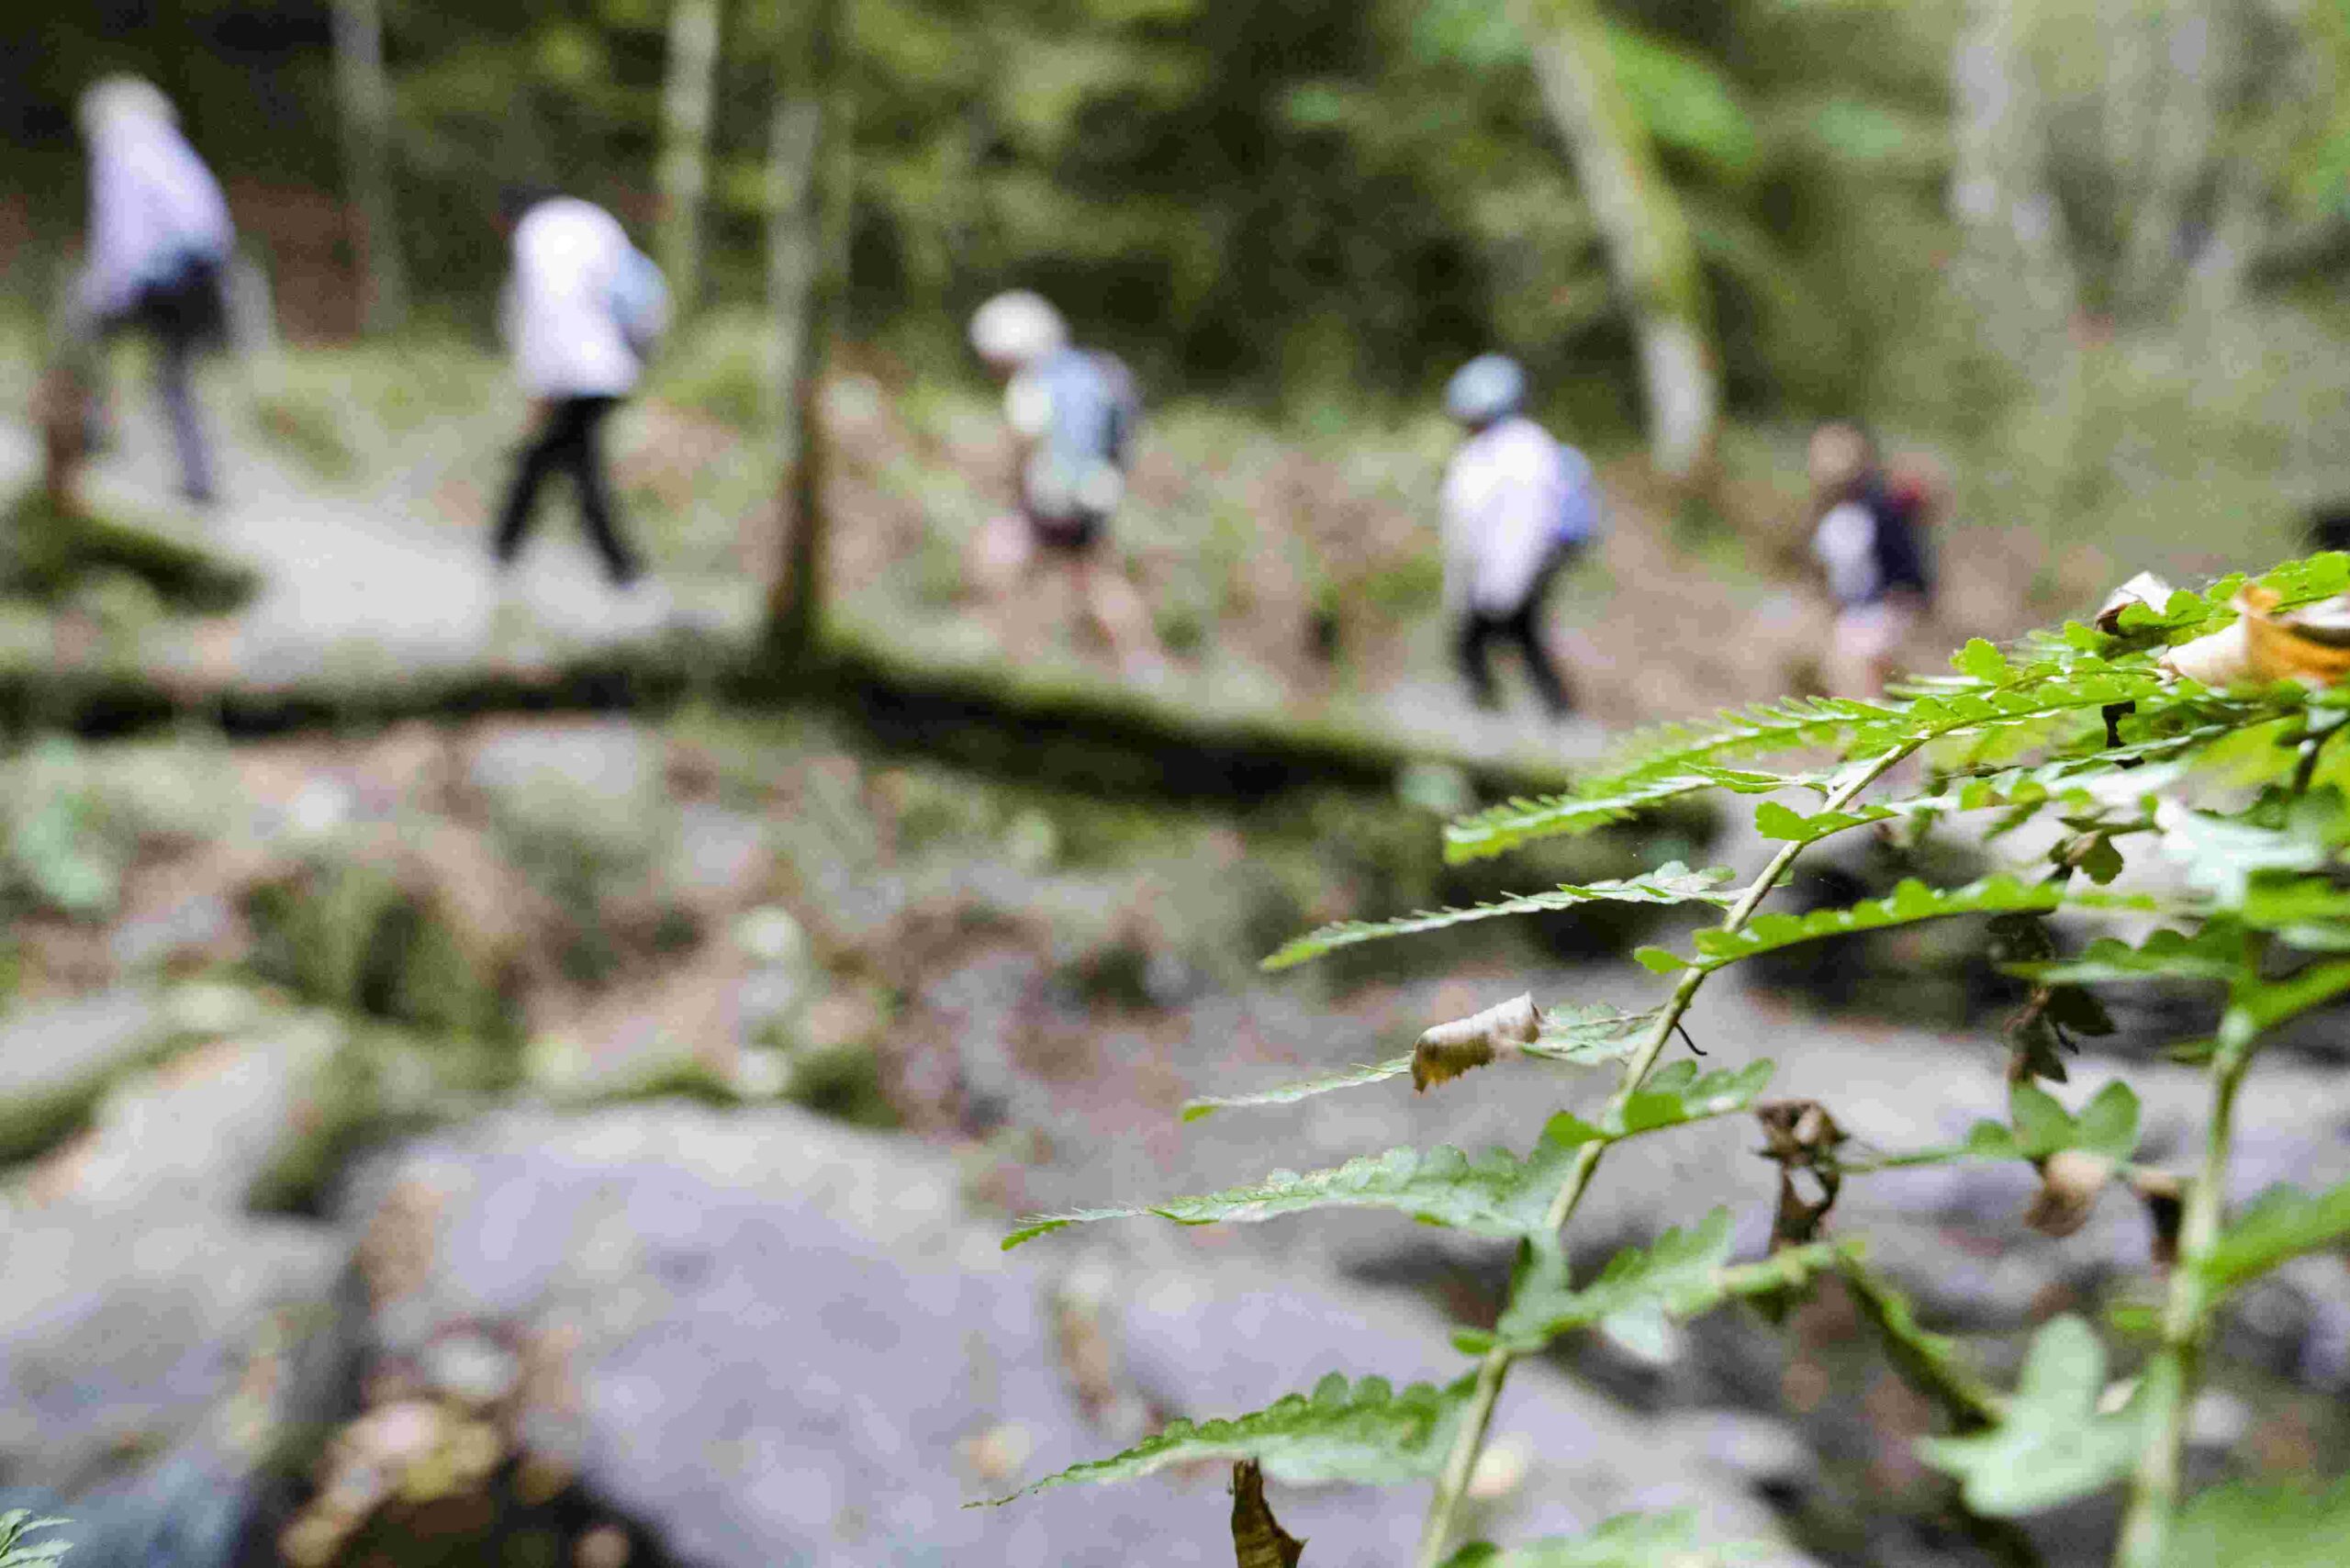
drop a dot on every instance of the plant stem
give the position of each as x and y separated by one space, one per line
2167 1386
1460 1464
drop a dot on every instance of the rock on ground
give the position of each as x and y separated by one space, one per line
775 1340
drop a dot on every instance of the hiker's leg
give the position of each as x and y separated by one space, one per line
175 385
1116 608
1548 683
545 448
1469 650
587 456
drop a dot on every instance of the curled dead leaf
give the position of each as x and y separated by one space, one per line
2164 1196
2309 644
1258 1538
2144 589
1800 1136
2070 1181
1447 1050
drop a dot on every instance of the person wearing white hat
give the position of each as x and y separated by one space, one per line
1073 413
1519 506
159 241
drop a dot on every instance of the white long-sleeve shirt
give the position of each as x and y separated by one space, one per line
1503 497
559 318
154 208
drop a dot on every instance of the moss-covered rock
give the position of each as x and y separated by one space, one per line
48 551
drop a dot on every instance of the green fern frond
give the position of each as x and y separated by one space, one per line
1496 1194
1627 1540
1574 1035
2280 1225
1668 884
18 1523
1364 1432
1677 760
1909 903
1283 1094
1499 828
1682 1274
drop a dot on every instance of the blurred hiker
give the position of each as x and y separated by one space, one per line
158 249
1073 413
1871 541
1519 506
582 310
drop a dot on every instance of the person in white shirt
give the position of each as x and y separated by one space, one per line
159 242
566 317
1519 506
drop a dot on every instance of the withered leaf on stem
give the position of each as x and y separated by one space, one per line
1447 1050
2164 1196
1799 1135
1258 1538
2070 1181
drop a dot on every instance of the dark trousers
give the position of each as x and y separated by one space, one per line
181 317
571 439
1480 629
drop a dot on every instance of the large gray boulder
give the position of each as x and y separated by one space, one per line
780 1341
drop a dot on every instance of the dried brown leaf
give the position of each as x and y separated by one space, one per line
1258 1538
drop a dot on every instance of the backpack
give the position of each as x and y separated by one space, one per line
639 301
1582 508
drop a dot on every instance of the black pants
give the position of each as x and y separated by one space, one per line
572 440
181 316
1479 629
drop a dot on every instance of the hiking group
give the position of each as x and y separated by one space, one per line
583 310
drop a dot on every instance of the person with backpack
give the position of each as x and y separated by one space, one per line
1073 413
158 245
583 311
1871 542
1519 506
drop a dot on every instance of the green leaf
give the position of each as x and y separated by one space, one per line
1363 1433
2054 1445
1586 1035
1496 1194
2256 1006
1349 1078
2281 1224
2262 1525
1681 1275
2220 856
2212 954
1981 661
1669 884
1773 820
1627 1540
1909 903
1507 826
1929 1363
1678 1093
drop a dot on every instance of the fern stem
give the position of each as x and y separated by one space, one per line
2167 1386
1460 1464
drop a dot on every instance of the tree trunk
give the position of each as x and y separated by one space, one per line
2018 267
366 100
808 200
686 101
1641 225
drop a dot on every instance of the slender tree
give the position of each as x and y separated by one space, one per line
367 103
686 102
808 190
1641 225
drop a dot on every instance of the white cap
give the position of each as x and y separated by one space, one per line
115 100
1018 327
